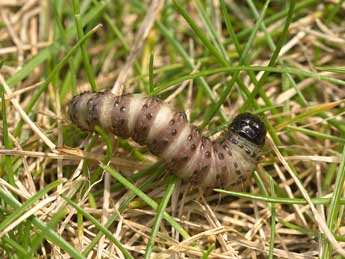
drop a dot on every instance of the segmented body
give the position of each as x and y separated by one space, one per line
167 134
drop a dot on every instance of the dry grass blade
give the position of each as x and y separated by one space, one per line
138 44
317 217
26 118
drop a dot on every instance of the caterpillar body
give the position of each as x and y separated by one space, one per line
166 132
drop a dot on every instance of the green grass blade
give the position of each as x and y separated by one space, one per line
274 57
98 225
281 200
83 49
27 69
273 222
7 162
210 29
151 86
200 34
230 28
18 248
51 76
243 57
148 182
27 204
145 198
159 216
290 70
316 134
48 232
334 206
170 37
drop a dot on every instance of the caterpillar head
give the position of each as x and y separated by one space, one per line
250 127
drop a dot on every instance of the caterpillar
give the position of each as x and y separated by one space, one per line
225 162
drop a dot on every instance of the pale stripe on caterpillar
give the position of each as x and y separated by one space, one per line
167 134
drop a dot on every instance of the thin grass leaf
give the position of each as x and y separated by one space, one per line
206 254
281 200
229 27
27 204
80 33
7 162
147 183
200 34
27 69
308 113
145 198
170 37
211 31
273 222
316 134
151 86
243 59
274 57
299 228
335 204
274 48
159 216
18 248
61 33
290 70
97 224
47 232
109 152
51 76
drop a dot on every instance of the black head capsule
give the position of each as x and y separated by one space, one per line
250 127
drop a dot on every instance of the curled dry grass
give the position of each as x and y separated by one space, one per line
282 60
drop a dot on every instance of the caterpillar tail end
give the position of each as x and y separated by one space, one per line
78 111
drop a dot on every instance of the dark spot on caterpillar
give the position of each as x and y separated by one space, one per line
185 159
167 139
173 132
158 146
193 147
194 177
149 116
243 177
238 172
207 154
196 131
183 116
